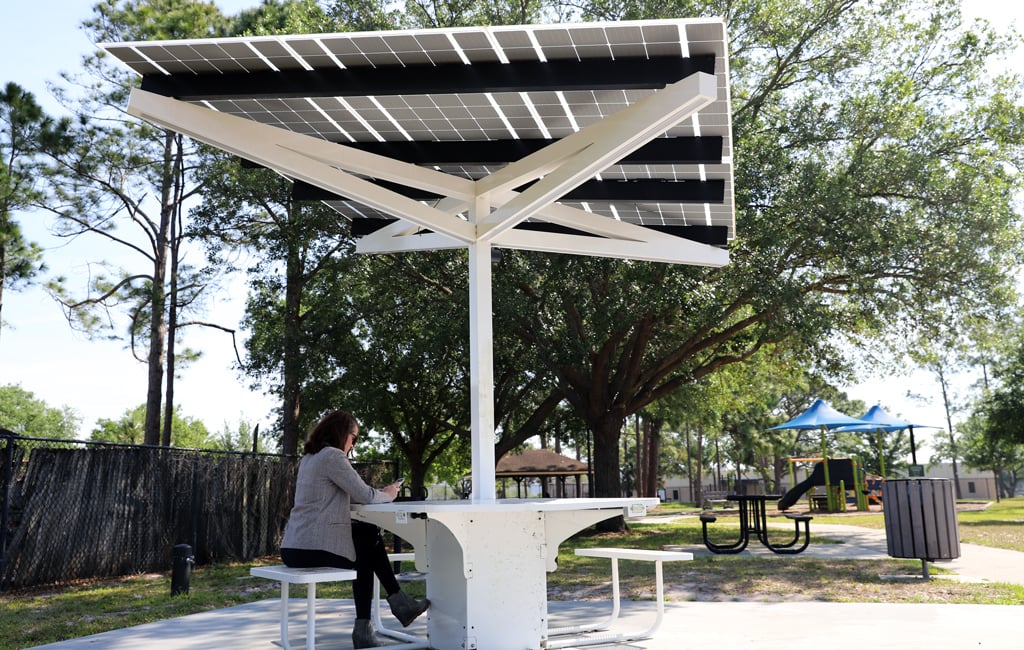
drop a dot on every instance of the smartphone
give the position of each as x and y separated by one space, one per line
401 479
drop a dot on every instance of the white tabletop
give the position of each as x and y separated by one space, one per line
511 505
632 507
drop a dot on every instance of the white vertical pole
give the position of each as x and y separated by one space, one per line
481 363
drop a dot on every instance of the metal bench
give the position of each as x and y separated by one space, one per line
713 498
616 554
311 577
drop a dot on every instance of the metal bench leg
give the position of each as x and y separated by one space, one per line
661 603
378 624
596 626
311 616
623 637
284 616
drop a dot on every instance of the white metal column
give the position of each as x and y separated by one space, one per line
481 362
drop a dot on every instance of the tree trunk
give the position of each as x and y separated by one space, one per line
158 299
949 425
639 476
172 317
700 465
607 482
652 453
3 269
291 390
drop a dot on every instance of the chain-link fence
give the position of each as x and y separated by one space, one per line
74 510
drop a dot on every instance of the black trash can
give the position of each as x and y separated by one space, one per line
920 519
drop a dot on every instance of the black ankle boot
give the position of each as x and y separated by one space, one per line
364 635
406 608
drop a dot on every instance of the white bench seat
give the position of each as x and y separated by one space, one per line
310 577
616 554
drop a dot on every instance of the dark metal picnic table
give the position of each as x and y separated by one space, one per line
754 521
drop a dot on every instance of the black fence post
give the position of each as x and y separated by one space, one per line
194 507
5 513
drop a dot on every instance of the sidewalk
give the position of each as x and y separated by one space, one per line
687 625
980 563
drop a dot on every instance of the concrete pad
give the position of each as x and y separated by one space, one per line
696 625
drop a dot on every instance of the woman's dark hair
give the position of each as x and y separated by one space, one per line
331 431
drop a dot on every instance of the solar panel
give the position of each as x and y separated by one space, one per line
490 85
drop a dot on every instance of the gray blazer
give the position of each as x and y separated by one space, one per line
326 487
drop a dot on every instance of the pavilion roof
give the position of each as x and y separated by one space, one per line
539 462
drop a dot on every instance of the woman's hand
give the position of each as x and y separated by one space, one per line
391 490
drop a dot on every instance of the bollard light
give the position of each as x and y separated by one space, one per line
182 570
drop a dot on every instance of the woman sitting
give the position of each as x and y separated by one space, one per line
320 531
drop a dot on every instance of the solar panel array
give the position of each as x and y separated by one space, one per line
468 114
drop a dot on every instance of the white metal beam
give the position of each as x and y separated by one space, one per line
676 251
593 149
405 243
286 152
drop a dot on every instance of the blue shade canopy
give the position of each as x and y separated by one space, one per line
821 414
877 418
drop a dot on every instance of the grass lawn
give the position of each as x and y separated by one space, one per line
999 525
42 616
761 578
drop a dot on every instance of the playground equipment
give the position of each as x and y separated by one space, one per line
834 474
823 417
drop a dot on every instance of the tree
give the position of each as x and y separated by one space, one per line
395 333
1005 404
127 183
293 246
284 17
844 212
984 452
288 243
24 131
25 415
186 431
243 438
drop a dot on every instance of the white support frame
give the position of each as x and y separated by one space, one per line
494 208
410 640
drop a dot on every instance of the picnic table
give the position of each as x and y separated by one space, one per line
754 522
486 562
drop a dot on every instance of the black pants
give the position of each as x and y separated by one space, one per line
371 558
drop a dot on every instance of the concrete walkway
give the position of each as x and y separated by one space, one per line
690 625
687 625
980 563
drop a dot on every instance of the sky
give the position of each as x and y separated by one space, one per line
101 379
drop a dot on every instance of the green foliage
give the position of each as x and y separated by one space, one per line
158 20
25 415
186 432
283 17
396 352
872 157
25 132
986 452
297 250
241 438
1005 404
369 15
